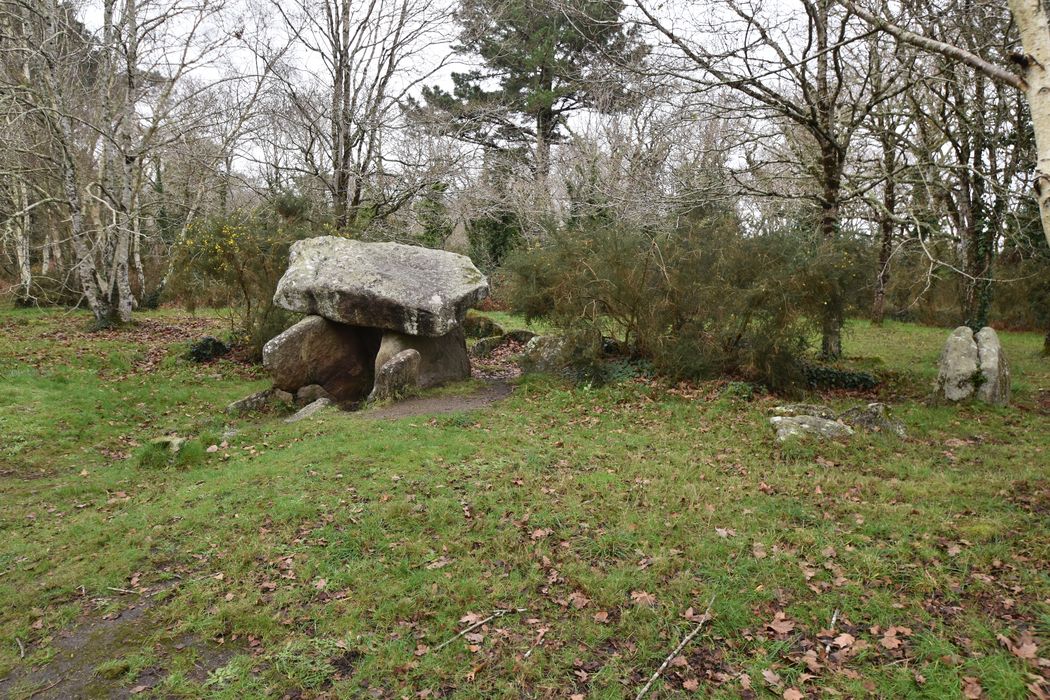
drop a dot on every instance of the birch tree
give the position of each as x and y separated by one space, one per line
1027 71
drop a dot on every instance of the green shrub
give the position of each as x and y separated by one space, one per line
699 300
236 262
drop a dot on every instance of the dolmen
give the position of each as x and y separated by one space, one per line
381 318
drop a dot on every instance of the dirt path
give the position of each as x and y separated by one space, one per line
93 640
493 391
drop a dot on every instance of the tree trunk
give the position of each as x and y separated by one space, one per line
1033 24
87 273
882 274
831 163
834 314
18 227
889 206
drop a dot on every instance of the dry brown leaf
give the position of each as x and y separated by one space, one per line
844 640
439 563
578 600
644 599
601 617
972 689
780 624
691 685
793 694
771 677
758 550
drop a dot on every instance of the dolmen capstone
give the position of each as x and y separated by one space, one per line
366 305
973 365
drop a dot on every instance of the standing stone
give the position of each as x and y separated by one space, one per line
958 366
409 289
441 359
397 375
994 386
317 351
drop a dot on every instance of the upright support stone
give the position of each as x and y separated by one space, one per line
994 385
396 376
442 359
335 356
958 365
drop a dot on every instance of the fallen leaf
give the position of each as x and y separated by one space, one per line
725 532
972 689
844 640
780 624
421 649
758 550
439 563
691 685
771 677
793 694
693 616
601 617
578 600
643 598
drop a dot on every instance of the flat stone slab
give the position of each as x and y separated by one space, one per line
309 411
794 426
409 289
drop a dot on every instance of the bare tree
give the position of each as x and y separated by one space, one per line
336 129
1032 76
805 65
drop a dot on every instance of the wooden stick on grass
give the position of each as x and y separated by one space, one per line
493 616
834 618
677 649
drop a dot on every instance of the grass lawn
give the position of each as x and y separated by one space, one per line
337 557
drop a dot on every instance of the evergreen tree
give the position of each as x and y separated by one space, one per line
541 62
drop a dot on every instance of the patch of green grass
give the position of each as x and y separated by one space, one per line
344 551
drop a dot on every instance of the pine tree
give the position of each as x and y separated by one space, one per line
541 61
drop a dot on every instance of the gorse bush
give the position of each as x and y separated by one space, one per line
236 262
697 300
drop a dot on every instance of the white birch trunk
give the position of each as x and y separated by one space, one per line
1032 22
